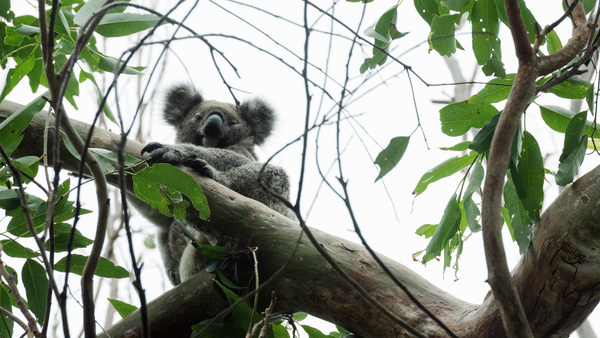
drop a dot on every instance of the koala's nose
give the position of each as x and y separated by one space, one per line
213 127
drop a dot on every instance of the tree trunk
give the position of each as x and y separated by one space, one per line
557 278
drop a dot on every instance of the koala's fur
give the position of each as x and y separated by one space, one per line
217 140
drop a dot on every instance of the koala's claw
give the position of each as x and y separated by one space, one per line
176 155
159 153
150 147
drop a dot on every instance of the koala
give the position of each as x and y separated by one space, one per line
216 140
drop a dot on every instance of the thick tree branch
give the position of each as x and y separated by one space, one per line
581 35
514 318
517 29
562 254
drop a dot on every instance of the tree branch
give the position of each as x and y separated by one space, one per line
514 320
562 252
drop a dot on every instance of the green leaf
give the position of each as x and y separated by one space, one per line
9 198
105 267
458 118
122 308
528 177
12 38
569 167
573 134
219 330
124 24
279 331
517 219
471 209
64 211
36 74
494 91
588 5
110 64
426 230
573 151
300 316
427 9
494 67
109 160
381 29
558 118
517 146
442 34
16 74
28 165
213 251
9 15
6 324
462 146
485 25
28 30
455 5
573 88
87 10
313 333
14 249
147 185
35 282
389 157
590 96
242 312
553 42
444 169
445 231
61 241
483 139
528 18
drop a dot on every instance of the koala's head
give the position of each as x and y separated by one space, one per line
216 124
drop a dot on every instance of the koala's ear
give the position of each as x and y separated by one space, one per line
260 117
180 99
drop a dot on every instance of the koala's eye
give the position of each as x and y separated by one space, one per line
198 117
233 122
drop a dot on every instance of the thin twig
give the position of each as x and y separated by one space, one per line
12 285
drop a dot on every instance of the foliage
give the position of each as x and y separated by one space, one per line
52 221
523 193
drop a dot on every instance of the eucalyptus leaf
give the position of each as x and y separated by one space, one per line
528 176
105 267
517 218
35 282
6 324
444 169
13 249
458 118
445 230
442 37
124 24
389 157
147 185
121 307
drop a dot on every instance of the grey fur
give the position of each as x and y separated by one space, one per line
230 160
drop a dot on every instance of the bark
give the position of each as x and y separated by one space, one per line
511 308
557 278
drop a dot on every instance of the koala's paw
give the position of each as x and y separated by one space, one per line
178 155
160 153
